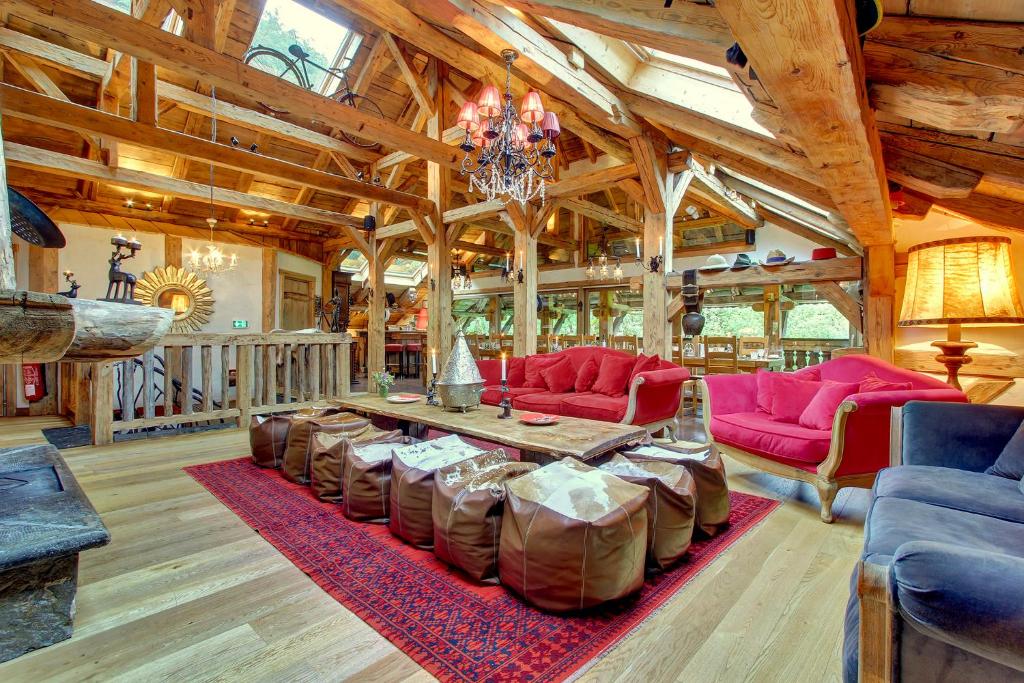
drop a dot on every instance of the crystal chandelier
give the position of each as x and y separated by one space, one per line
213 261
460 274
515 149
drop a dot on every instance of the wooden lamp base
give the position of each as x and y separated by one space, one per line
953 354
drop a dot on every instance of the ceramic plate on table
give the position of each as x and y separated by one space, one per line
538 419
403 398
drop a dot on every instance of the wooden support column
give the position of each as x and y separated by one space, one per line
524 328
880 292
375 322
439 296
269 289
172 251
42 277
6 248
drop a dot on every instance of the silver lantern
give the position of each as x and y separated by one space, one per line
460 384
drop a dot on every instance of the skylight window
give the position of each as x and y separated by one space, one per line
329 44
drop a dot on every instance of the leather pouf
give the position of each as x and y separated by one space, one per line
325 469
469 499
268 435
670 506
708 471
412 486
366 483
299 452
572 536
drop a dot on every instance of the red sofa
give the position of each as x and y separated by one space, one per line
651 399
850 453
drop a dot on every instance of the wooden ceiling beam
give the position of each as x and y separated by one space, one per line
68 116
101 25
930 176
814 235
808 57
995 212
66 166
685 28
722 199
601 214
999 45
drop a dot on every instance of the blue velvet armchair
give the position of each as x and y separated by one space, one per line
939 592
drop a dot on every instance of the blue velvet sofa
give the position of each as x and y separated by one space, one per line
939 592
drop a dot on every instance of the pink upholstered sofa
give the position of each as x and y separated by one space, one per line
850 453
650 399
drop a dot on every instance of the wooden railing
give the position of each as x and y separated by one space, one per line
270 373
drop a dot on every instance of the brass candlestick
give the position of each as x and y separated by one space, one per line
505 405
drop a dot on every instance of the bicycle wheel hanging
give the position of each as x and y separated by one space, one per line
366 106
277 64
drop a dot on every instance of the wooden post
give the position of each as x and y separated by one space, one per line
439 296
101 404
772 297
6 246
172 251
878 305
42 277
269 289
243 383
375 324
144 92
524 329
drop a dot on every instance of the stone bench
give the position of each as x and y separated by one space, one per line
45 521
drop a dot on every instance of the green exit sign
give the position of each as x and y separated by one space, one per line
239 324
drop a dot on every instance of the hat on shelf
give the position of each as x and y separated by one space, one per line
823 253
742 261
715 262
776 257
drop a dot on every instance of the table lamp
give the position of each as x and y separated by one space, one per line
960 281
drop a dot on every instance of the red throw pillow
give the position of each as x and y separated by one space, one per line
876 383
822 409
516 370
791 397
587 375
613 375
765 390
559 377
644 364
534 365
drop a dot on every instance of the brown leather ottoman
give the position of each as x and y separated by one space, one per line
412 486
366 485
573 536
670 505
299 452
469 499
329 449
268 435
708 472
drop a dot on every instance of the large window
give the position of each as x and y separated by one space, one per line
733 321
819 320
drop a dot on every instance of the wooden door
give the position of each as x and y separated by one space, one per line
296 301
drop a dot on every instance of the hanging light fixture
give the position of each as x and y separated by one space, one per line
461 278
213 261
602 271
515 149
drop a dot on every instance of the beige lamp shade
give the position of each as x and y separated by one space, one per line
961 281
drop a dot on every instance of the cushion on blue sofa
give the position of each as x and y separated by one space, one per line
895 521
1010 462
970 599
982 494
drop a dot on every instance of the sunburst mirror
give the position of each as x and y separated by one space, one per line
182 291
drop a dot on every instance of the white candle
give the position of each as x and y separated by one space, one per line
433 361
503 366
508 265
638 247
661 246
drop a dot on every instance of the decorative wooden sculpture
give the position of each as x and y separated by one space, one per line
72 292
180 290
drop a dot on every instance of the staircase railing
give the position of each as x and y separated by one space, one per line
214 377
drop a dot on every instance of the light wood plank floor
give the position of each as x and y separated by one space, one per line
187 592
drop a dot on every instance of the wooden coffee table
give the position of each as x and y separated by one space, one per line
570 437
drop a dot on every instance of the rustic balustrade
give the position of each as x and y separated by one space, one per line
271 373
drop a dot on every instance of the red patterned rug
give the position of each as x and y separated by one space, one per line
455 629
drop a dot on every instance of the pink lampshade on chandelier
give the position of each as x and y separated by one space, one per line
514 150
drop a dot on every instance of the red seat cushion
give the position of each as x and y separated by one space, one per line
821 411
516 372
791 396
758 433
613 375
417 347
392 348
595 407
587 375
543 402
492 394
560 377
644 364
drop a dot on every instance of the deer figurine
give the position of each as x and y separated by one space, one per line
72 292
117 277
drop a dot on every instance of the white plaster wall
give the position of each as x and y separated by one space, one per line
88 251
238 294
